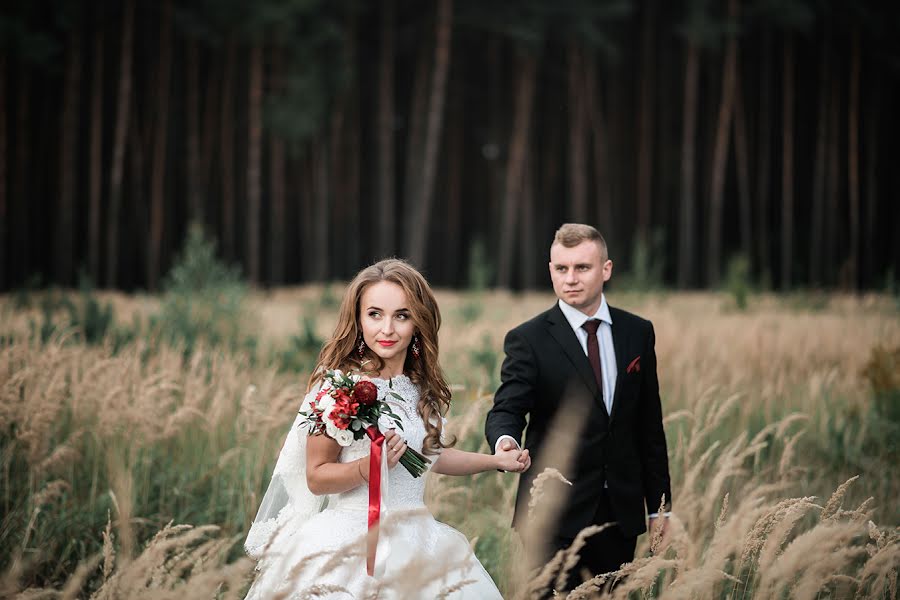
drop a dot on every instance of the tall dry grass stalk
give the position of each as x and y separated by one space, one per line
768 415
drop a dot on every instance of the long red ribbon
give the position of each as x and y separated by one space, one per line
374 495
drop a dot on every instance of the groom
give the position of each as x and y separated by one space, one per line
603 359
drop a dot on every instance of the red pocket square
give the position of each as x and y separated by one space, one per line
634 366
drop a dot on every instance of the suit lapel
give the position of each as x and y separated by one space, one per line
619 335
561 331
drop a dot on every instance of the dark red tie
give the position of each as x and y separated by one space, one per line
593 348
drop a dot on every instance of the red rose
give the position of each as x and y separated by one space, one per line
365 392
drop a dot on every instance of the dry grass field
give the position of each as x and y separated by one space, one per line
131 468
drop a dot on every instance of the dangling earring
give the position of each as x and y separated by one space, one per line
361 347
415 347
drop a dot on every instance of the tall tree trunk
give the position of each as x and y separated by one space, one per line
455 174
832 248
137 247
96 181
526 77
817 207
497 130
720 157
873 126
742 161
160 131
415 140
600 137
4 202
787 170
853 159
120 137
19 208
254 161
227 148
320 213
689 120
763 175
68 169
646 125
278 212
528 261
336 172
385 170
306 212
207 151
577 132
192 116
349 161
443 37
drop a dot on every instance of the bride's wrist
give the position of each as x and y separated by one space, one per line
362 472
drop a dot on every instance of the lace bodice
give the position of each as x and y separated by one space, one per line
403 490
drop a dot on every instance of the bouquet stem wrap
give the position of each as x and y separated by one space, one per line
375 452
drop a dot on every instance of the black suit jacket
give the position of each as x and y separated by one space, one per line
545 366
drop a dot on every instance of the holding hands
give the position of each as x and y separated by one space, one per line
511 458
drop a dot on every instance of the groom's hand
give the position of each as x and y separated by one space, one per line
507 452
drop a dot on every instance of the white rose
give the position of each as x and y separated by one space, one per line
325 404
344 437
386 423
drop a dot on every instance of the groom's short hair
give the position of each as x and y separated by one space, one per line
572 234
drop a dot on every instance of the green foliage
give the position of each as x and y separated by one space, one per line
486 359
479 275
203 300
806 300
302 349
480 272
81 319
882 371
737 280
647 265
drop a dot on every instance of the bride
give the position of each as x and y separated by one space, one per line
311 532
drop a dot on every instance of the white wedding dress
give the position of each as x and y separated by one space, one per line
305 551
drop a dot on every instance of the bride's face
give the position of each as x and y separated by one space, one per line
386 323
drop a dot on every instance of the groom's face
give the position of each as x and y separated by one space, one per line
578 274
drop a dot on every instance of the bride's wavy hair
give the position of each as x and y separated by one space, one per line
341 351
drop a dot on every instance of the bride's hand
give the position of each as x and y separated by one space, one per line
513 460
394 447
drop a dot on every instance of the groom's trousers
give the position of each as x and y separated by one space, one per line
605 551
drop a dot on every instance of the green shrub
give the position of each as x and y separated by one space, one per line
302 349
203 300
647 265
485 358
882 371
737 280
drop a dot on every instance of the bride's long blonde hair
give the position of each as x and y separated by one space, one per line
341 351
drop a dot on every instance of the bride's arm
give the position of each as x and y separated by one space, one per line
324 474
459 462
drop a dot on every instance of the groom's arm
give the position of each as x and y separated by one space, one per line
515 396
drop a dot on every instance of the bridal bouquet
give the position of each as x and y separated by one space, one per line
347 408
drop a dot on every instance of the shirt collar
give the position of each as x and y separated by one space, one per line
576 318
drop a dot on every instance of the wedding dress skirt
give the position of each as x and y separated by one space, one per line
324 556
